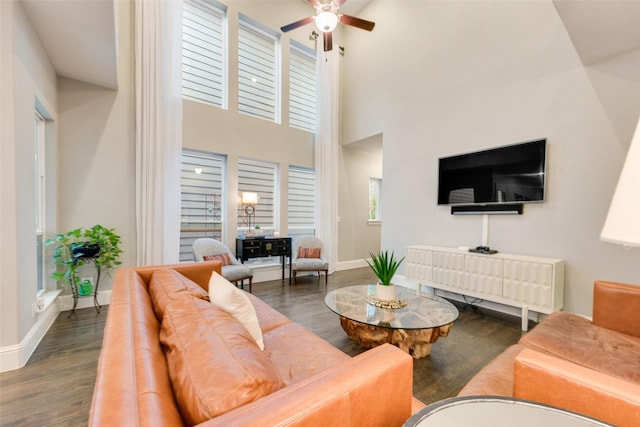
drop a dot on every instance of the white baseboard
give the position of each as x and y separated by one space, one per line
16 356
350 265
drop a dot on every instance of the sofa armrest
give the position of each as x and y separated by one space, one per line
558 382
616 306
372 389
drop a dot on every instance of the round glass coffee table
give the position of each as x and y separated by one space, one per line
495 411
412 328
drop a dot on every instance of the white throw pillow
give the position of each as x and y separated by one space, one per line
225 295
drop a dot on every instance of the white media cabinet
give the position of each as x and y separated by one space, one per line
529 283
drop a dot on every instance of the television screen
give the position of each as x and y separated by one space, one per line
510 174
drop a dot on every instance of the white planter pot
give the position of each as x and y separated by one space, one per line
386 293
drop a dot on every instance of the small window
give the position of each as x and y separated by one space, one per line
301 201
204 63
258 70
302 87
374 199
202 189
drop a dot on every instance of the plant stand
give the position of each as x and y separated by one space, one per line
76 292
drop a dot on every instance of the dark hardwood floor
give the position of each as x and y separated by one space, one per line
56 386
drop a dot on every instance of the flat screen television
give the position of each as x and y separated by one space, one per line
509 174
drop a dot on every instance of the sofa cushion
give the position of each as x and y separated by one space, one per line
214 364
497 377
267 317
168 285
298 353
234 301
547 379
311 264
235 272
574 338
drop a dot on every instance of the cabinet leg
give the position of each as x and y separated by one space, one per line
525 318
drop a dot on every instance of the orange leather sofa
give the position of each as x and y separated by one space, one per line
320 385
568 361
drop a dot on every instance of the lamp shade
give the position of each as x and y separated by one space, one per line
249 198
623 220
326 21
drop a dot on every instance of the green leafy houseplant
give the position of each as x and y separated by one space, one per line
384 266
76 247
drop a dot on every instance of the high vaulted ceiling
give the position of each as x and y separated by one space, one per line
80 35
601 29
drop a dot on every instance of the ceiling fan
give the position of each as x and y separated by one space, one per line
326 19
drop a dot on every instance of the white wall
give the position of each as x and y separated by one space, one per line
356 237
441 78
97 159
27 75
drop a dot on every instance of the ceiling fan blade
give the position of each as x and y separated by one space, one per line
363 24
339 3
314 3
297 24
328 41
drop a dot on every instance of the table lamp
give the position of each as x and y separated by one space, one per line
249 200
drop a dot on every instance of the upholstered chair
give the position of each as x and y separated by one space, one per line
207 249
308 255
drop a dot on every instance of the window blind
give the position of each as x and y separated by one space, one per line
204 52
202 198
302 87
301 201
258 76
260 178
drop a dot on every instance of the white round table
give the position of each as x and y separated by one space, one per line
494 411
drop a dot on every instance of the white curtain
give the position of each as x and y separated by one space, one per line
326 153
158 103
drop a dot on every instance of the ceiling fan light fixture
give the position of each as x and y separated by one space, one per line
326 21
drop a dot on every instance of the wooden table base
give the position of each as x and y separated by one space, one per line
416 342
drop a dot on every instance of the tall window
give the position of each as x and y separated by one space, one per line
302 87
301 201
258 70
40 202
261 178
374 199
202 185
204 75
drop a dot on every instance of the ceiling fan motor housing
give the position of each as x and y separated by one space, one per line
327 18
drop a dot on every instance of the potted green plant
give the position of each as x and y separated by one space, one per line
77 247
384 265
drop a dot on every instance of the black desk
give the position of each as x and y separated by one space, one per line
265 247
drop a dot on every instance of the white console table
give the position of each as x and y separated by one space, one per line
529 283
